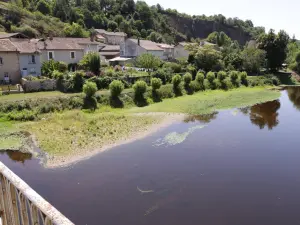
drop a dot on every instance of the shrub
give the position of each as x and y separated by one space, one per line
187 78
48 67
78 81
210 76
62 67
176 81
200 77
156 84
89 88
221 75
57 75
234 77
140 87
175 67
116 87
165 74
192 70
243 78
91 62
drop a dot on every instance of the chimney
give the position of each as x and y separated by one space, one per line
138 41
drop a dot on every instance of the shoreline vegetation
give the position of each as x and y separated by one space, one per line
69 136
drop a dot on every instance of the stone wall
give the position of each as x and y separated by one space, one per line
38 85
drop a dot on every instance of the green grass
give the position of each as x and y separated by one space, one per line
209 101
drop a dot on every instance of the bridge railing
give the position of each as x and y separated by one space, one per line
21 205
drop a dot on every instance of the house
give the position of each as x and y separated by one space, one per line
68 50
109 52
180 51
29 56
134 47
9 62
168 51
111 38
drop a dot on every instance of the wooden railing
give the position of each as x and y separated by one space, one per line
21 205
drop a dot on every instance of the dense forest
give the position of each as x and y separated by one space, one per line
74 18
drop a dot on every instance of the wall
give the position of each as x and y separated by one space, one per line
25 62
159 54
63 55
180 52
38 85
90 48
11 66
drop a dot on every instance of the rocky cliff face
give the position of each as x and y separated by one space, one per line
202 28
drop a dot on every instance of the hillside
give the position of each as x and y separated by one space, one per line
75 18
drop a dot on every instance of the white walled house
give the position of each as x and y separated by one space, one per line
132 48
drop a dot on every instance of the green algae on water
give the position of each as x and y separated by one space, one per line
175 138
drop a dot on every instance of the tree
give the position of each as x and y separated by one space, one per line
91 62
207 58
44 7
155 37
74 30
220 39
112 25
253 59
275 47
118 19
148 61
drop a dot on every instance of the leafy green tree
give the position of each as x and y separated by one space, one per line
44 7
112 25
155 37
116 87
253 59
207 58
74 30
275 46
62 9
91 62
148 61
118 19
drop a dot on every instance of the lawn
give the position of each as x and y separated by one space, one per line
209 101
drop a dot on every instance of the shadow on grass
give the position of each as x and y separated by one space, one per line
116 102
90 103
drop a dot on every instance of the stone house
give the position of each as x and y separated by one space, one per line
111 38
134 47
108 52
9 62
180 51
169 52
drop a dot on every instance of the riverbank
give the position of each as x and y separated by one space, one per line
70 136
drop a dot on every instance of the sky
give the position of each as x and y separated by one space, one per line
275 14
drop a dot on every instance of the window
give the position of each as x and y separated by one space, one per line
73 56
32 59
50 55
1 61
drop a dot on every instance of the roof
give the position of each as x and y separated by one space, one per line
26 45
10 35
119 59
7 46
162 45
101 31
109 53
65 43
148 45
111 48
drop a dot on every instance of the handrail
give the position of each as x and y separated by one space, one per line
21 205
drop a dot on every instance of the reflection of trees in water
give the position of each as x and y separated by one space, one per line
294 96
264 114
207 118
17 156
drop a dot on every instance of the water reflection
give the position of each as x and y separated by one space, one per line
294 96
17 156
263 115
207 118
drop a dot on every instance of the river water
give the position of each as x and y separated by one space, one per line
234 167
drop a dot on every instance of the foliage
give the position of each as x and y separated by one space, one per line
219 38
175 67
48 67
148 61
140 88
44 7
207 58
89 88
221 75
156 83
243 78
200 77
210 76
116 87
78 81
164 74
187 78
74 30
234 77
275 46
253 59
177 88
91 62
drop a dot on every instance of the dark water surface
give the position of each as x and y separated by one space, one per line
242 168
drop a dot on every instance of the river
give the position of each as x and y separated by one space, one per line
234 167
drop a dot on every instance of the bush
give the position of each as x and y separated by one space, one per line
89 88
156 84
24 115
91 62
176 81
187 78
62 67
140 87
243 78
210 76
78 81
175 67
200 78
234 77
164 74
57 75
221 75
116 87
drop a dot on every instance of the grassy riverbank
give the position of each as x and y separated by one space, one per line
71 135
210 101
